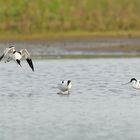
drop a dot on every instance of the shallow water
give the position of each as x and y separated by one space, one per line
98 108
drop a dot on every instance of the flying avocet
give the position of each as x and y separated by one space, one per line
11 54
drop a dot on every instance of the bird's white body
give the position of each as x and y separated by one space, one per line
11 54
16 56
136 84
65 87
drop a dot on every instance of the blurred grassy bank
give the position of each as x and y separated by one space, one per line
66 35
41 19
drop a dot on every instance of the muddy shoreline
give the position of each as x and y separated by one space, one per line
79 47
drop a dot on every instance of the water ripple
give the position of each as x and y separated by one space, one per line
99 107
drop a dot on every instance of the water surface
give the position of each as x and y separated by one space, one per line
98 108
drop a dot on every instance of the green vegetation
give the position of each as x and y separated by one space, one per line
36 18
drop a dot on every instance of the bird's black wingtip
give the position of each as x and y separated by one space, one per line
18 61
1 57
30 63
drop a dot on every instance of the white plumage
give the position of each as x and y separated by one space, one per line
65 87
11 54
135 83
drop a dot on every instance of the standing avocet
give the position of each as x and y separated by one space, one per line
65 87
135 83
11 54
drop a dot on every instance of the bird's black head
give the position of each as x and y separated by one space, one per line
11 46
69 81
132 79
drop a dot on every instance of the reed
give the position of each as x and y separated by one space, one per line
69 17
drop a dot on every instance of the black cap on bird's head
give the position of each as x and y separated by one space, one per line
69 81
132 79
11 46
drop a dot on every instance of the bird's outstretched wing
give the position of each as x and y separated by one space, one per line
29 61
7 50
1 57
26 54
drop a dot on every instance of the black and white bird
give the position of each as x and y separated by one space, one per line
135 83
11 54
65 87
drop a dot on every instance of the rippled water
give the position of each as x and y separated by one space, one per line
98 108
